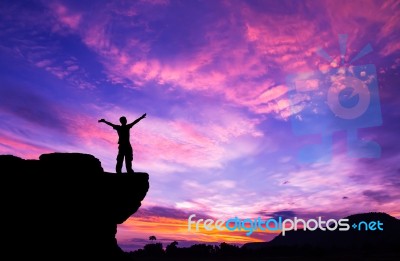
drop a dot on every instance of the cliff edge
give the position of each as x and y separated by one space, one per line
65 205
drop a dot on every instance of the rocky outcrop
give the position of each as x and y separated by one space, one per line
64 205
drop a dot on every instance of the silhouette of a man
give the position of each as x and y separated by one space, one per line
124 148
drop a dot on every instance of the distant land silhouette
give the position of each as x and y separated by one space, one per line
385 239
65 206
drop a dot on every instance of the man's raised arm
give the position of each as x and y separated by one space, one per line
137 120
107 122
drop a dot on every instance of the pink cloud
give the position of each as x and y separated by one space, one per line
259 44
156 2
65 16
192 144
58 71
73 68
199 73
20 148
43 63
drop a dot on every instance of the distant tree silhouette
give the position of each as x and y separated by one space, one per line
227 250
152 238
202 250
154 250
172 249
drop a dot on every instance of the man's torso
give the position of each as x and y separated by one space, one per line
123 134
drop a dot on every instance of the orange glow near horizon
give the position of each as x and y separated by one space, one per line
177 229
171 229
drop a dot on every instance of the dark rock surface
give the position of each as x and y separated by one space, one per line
65 206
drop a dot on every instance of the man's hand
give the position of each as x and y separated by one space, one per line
143 116
102 120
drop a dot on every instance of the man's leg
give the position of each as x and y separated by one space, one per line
128 160
128 164
120 160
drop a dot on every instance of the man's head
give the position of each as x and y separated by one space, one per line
123 120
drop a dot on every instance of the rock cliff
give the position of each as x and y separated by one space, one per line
65 205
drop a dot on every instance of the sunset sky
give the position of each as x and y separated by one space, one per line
220 137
